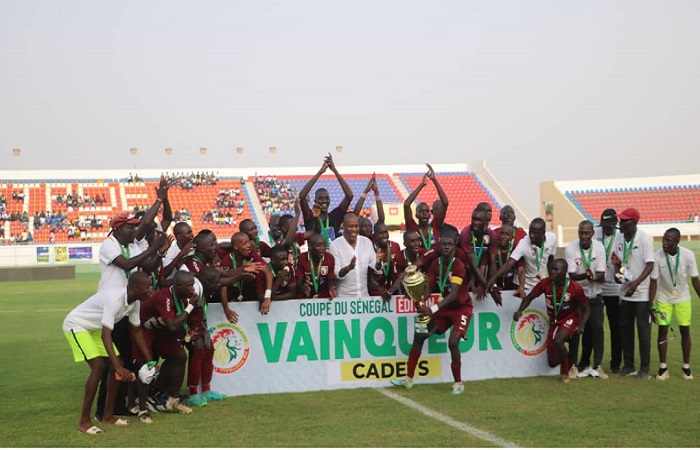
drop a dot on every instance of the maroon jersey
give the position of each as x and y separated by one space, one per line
195 264
400 261
456 273
159 305
333 220
260 281
506 282
323 275
431 255
429 236
484 244
574 298
247 288
264 249
386 276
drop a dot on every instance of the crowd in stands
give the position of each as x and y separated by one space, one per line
192 179
217 217
275 197
74 200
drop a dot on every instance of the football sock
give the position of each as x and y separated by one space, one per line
413 356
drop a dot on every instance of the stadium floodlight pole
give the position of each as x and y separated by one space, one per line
134 152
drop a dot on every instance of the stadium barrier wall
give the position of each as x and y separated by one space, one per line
43 255
313 345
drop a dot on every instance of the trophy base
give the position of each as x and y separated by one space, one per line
421 328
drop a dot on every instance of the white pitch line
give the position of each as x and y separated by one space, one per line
486 436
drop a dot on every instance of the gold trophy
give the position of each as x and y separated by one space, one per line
416 284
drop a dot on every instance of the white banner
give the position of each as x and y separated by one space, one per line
311 345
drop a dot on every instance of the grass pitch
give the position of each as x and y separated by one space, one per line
41 388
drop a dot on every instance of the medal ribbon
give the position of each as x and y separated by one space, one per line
539 254
586 262
674 274
429 240
443 281
477 255
235 266
179 307
627 250
510 249
387 265
608 246
126 253
557 307
315 276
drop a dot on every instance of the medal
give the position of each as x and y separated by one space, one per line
673 273
675 292
188 338
315 296
538 276
240 297
622 270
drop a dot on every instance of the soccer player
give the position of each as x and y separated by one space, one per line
447 277
610 289
669 287
478 243
366 224
88 330
633 257
248 227
284 281
386 252
183 247
429 230
316 271
164 320
355 260
244 265
587 263
567 308
507 217
537 251
411 254
329 221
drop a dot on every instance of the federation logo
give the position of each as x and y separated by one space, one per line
231 347
529 333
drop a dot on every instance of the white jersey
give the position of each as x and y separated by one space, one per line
105 308
640 252
576 258
610 287
111 275
170 256
535 259
666 291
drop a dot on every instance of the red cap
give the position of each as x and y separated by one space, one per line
629 214
123 219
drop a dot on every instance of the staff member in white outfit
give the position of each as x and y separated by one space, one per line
355 259
88 329
669 287
587 263
537 249
633 257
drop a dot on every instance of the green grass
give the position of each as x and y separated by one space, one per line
41 388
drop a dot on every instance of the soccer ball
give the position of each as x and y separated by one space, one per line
147 375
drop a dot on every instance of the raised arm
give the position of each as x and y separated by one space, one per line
304 193
345 203
361 201
162 193
378 200
440 191
407 212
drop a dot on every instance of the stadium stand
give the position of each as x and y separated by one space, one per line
464 190
656 204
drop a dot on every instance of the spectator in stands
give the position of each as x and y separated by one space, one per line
355 260
428 230
606 234
587 263
633 257
669 288
365 223
537 251
329 221
88 331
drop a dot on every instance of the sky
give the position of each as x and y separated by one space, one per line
541 90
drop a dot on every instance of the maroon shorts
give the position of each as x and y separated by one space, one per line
569 324
162 344
459 317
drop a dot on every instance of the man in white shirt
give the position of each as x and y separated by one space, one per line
605 234
355 259
633 257
537 249
669 287
88 329
587 262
